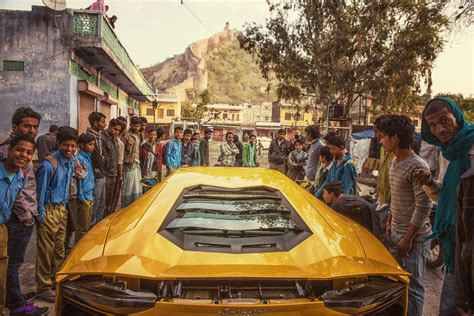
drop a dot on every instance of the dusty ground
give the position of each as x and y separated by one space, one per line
433 278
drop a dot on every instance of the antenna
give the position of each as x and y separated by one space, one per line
55 5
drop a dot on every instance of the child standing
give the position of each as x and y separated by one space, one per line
85 187
54 178
296 162
12 180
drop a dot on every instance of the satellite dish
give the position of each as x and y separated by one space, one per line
55 5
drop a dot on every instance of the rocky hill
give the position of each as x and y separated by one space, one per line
218 64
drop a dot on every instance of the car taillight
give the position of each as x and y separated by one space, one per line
364 297
109 297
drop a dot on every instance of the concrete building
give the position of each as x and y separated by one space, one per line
225 114
167 110
253 113
65 65
290 115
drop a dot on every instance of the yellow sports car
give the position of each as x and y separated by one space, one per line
230 241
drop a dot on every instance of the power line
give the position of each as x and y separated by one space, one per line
194 14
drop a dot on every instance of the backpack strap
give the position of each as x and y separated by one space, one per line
54 161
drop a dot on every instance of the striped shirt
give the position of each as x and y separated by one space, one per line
409 202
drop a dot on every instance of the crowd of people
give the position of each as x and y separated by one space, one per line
80 179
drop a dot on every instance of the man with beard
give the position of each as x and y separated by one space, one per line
131 160
444 125
97 122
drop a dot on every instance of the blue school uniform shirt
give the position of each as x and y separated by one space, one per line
344 172
53 188
85 187
9 190
173 153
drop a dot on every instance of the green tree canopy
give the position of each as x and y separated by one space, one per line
337 50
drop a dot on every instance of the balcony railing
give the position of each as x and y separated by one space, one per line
91 27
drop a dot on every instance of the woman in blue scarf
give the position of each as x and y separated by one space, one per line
444 125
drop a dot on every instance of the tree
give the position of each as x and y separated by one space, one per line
466 104
197 111
337 50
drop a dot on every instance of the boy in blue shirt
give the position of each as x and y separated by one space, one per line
343 167
53 181
85 187
12 180
174 151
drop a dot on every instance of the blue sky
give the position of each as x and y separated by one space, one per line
153 30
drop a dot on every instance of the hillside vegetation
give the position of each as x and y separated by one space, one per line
235 78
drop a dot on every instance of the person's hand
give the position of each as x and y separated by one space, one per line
423 176
29 222
404 246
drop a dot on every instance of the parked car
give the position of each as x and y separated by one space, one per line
211 241
265 141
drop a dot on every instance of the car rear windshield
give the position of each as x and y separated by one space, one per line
238 220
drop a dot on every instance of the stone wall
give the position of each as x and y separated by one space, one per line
45 83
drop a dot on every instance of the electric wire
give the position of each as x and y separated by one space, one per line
197 18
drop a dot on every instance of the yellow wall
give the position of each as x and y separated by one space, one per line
161 113
304 120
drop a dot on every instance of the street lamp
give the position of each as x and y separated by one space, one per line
154 105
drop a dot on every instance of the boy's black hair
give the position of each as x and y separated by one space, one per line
178 128
143 119
227 134
21 138
326 153
253 135
123 119
313 130
337 141
160 132
135 120
95 117
114 122
299 141
329 135
281 130
66 133
188 131
23 112
207 130
401 126
379 119
334 187
85 138
53 128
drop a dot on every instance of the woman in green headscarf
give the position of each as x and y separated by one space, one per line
444 125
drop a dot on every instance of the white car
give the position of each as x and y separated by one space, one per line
265 141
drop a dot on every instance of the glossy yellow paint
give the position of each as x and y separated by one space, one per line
127 243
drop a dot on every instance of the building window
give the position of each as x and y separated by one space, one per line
249 106
13 65
267 118
216 116
170 112
233 116
224 116
160 113
237 117
287 116
150 112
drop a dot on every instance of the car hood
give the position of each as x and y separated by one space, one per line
128 243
